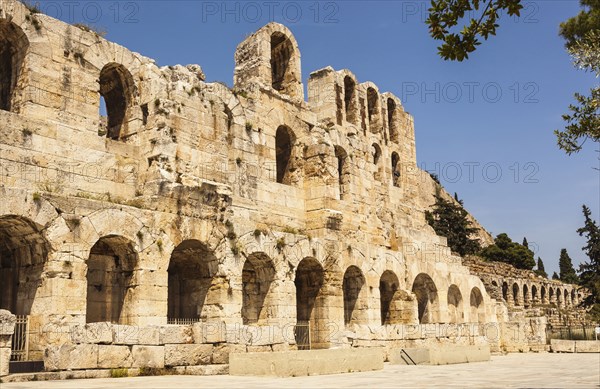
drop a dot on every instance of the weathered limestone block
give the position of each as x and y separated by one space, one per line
213 332
7 322
148 356
587 346
92 333
221 352
176 334
301 363
112 357
71 356
206 370
562 346
4 360
124 334
188 354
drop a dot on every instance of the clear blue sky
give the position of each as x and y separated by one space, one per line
494 113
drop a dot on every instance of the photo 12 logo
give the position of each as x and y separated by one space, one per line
469 91
88 12
289 12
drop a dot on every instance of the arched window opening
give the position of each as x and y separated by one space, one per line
350 99
526 295
566 297
257 275
111 264
477 308
309 280
23 253
392 119
573 297
551 294
390 298
116 89
396 169
373 108
191 269
515 290
342 169
505 291
13 49
354 307
284 143
543 295
534 294
427 299
376 153
281 55
455 305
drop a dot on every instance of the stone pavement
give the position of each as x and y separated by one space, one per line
510 371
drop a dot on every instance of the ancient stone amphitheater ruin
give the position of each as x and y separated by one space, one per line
196 220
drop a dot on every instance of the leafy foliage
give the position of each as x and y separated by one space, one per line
555 276
449 219
507 251
576 28
445 15
582 39
589 271
540 268
565 265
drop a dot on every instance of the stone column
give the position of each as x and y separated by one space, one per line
7 328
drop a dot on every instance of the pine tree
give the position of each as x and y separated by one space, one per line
540 268
525 243
449 219
555 276
565 265
590 270
505 250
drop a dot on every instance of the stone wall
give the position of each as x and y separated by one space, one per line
195 202
7 328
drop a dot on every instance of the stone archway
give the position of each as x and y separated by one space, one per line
455 305
191 271
427 299
110 268
308 281
477 306
23 254
257 276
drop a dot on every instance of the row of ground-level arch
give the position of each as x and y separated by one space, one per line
531 294
195 287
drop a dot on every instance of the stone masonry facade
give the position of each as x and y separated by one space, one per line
193 220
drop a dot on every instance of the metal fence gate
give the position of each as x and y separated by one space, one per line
20 339
302 334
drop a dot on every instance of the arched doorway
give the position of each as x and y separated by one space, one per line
427 299
455 305
23 254
309 281
191 270
257 276
111 264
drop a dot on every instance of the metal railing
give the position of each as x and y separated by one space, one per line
571 333
20 339
302 335
183 321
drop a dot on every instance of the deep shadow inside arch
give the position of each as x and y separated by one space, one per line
191 270
111 264
116 88
257 275
23 253
13 48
